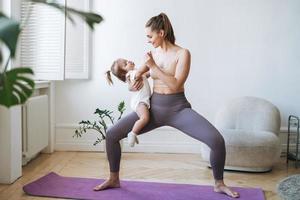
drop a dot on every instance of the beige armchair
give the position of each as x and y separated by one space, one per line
250 127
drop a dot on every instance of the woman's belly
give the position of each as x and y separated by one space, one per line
161 88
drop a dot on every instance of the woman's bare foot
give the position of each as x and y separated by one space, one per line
109 183
222 188
112 182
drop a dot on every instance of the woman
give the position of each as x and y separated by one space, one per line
169 67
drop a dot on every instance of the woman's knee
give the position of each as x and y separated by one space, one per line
110 136
221 141
218 142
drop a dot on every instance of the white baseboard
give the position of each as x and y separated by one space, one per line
161 140
165 147
64 140
88 146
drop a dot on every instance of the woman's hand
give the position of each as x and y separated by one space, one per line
149 61
136 85
138 75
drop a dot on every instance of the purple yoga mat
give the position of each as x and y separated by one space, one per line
53 185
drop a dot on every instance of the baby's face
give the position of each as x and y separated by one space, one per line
129 65
126 64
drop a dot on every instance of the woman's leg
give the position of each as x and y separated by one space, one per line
196 126
118 132
113 148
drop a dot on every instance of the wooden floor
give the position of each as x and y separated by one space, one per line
173 168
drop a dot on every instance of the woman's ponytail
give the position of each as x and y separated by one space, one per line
162 22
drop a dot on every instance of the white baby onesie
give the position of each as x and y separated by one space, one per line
142 95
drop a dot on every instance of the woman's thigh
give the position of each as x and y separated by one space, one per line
193 124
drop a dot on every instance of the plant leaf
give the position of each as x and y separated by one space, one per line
9 33
102 124
1 58
121 107
15 87
89 17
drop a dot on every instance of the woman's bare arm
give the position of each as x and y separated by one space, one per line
147 74
141 71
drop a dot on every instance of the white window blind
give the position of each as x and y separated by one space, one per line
42 41
77 43
52 46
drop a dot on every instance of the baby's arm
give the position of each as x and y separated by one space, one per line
128 81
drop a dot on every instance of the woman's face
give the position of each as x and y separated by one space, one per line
154 37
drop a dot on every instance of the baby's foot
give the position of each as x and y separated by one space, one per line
132 139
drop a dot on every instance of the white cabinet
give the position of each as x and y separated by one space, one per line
10 131
10 144
25 131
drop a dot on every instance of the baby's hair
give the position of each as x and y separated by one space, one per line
116 70
108 78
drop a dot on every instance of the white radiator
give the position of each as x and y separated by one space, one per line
35 126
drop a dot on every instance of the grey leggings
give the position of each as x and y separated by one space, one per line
170 110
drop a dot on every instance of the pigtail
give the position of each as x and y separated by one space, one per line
108 77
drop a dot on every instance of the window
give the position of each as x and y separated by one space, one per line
55 48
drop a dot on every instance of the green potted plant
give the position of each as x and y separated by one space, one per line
16 86
106 118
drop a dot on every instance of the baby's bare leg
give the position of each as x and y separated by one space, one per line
144 117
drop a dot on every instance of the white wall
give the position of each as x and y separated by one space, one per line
245 47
